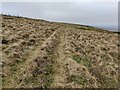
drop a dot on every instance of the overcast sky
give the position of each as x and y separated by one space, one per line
101 14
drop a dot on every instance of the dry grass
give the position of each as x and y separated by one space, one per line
38 53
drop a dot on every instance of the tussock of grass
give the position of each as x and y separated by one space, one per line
106 82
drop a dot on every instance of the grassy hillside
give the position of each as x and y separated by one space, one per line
39 53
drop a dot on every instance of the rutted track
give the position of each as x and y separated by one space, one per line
39 53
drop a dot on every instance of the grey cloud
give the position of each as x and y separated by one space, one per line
92 13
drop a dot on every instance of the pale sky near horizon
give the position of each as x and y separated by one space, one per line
59 0
101 14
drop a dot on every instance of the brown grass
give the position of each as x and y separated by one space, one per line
38 53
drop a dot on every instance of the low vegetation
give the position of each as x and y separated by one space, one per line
43 54
82 60
78 79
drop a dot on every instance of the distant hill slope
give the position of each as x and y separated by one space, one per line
39 53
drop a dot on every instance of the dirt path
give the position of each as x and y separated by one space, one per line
24 68
60 77
67 67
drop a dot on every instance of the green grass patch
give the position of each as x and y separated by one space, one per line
49 70
32 80
48 76
78 79
48 82
83 60
77 58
